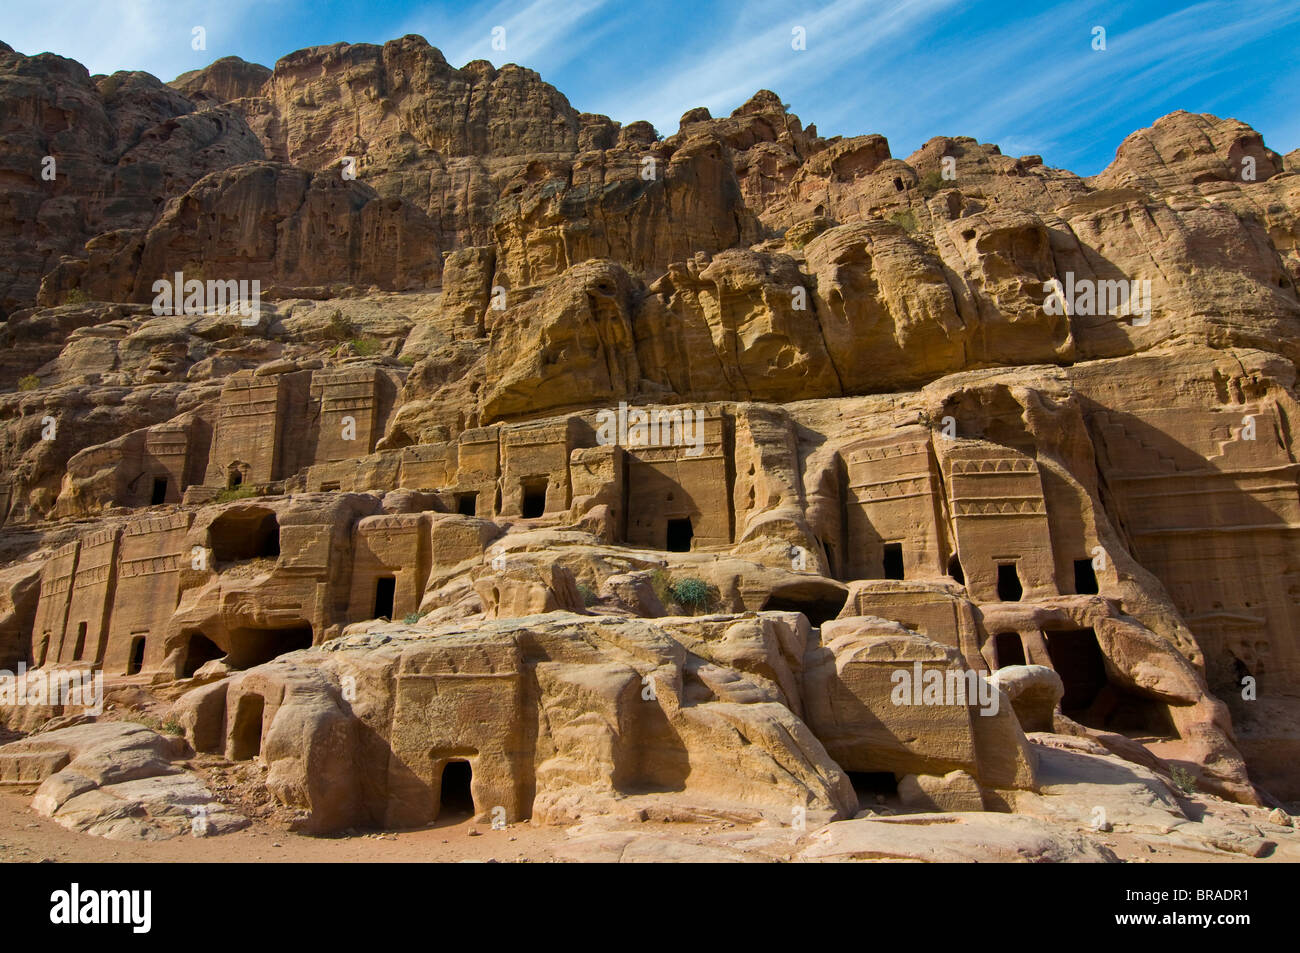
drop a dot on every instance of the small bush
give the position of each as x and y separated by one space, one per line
932 182
364 347
408 359
30 382
412 618
1183 780
692 593
341 327
588 595
171 726
75 296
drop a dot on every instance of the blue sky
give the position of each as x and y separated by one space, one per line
1023 76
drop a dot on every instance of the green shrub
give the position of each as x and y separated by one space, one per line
75 296
341 327
412 618
364 347
588 594
692 593
1183 780
932 182
30 382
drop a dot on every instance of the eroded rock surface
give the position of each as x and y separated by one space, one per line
573 473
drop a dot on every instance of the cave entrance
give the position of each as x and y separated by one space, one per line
246 733
467 504
893 560
872 787
199 650
534 504
679 535
1092 699
385 590
1085 578
1009 588
817 608
455 790
1077 658
1008 650
249 647
955 570
244 533
159 494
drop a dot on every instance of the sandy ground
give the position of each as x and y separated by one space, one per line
26 837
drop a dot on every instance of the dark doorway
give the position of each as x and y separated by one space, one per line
234 480
80 647
199 650
159 494
1009 588
385 588
1077 658
680 533
1008 650
534 498
467 504
893 560
246 734
954 569
455 793
1085 578
135 661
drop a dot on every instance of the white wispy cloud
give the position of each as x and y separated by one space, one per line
151 35
757 53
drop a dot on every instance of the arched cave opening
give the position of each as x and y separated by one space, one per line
244 533
1092 699
955 570
819 604
249 647
199 650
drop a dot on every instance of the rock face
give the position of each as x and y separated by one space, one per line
564 471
